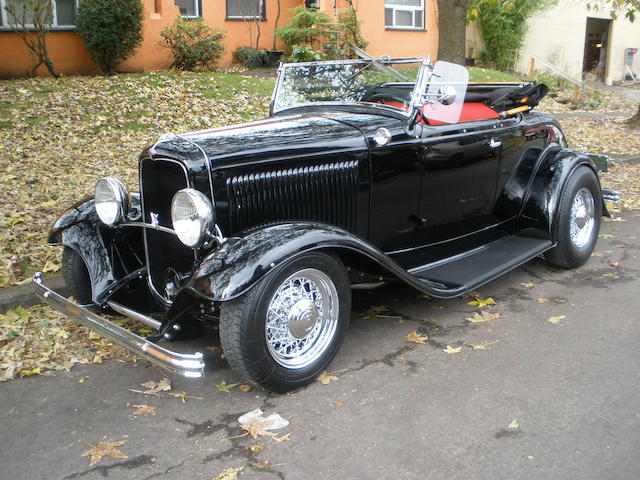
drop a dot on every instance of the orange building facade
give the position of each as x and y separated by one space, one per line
392 27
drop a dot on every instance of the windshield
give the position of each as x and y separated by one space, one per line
347 81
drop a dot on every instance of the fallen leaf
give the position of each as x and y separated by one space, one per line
283 438
436 307
605 235
543 300
375 311
482 346
256 429
514 424
183 396
144 410
229 474
262 465
338 403
425 296
256 448
223 386
556 320
451 349
163 385
484 316
245 388
480 303
104 449
528 284
415 337
325 379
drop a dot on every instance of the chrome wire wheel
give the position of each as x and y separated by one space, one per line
302 318
582 219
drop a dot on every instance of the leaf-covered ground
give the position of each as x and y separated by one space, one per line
57 137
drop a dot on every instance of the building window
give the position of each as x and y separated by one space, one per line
189 8
243 9
64 13
404 14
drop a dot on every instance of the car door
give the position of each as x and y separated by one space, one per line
459 170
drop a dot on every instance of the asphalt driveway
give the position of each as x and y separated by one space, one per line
543 400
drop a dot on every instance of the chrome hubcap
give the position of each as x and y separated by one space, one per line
582 218
302 318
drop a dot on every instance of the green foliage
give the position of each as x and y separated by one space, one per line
251 57
349 35
111 30
627 7
193 43
307 27
304 53
503 26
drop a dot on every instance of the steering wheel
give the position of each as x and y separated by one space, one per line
387 96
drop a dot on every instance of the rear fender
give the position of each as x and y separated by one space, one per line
543 196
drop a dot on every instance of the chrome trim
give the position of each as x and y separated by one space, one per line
188 365
152 226
127 312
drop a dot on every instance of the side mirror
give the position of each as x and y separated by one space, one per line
447 95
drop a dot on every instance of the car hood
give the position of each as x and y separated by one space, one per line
272 138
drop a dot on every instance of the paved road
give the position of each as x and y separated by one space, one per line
407 410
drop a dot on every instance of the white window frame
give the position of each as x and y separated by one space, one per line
389 5
197 10
261 16
54 25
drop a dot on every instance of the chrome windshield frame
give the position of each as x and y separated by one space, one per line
422 81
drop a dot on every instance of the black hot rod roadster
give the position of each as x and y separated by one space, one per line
358 177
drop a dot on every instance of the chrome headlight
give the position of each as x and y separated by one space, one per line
111 200
192 217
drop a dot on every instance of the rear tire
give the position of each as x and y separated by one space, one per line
577 221
76 276
283 332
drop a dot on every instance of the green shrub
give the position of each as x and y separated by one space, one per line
251 57
306 27
111 30
304 53
350 35
193 43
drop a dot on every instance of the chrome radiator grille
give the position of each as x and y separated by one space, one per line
324 193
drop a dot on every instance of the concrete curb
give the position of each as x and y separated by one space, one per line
25 296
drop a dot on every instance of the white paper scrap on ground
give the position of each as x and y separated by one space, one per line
272 422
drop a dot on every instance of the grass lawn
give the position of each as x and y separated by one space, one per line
58 137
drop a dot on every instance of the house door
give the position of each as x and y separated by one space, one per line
595 46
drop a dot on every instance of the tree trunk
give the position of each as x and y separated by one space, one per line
452 17
634 122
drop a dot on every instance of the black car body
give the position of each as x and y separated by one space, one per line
347 190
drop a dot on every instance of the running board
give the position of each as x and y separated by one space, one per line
474 268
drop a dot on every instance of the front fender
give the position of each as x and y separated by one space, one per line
240 263
80 229
542 200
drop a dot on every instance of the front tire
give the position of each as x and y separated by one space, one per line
577 221
283 332
76 276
